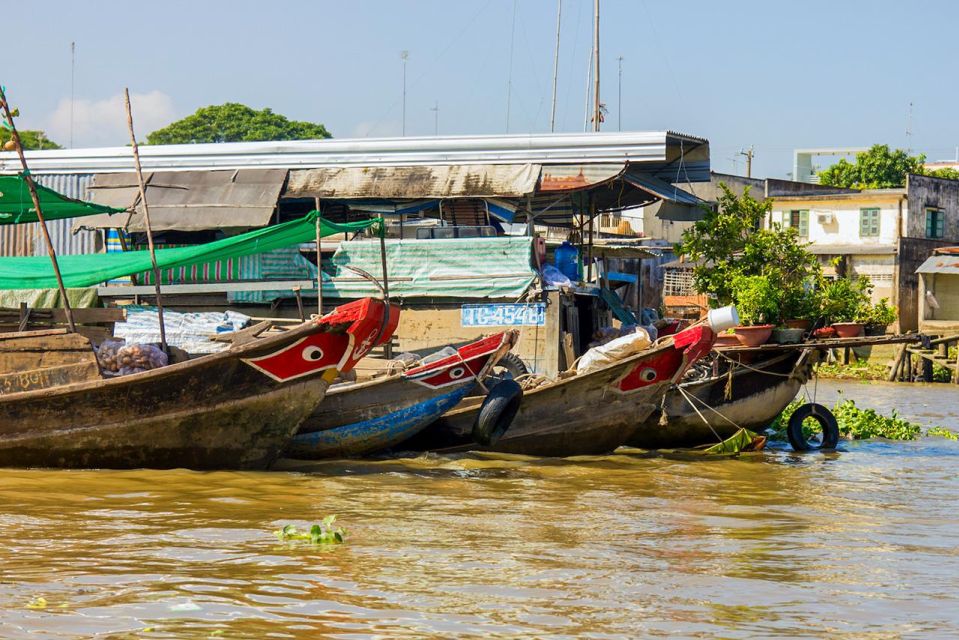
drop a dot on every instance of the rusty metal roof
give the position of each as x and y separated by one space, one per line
189 200
940 264
667 153
445 181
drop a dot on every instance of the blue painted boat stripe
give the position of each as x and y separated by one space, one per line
377 433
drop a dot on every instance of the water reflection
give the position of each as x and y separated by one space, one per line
770 544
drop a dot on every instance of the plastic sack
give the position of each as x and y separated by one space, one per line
613 351
136 358
554 277
107 354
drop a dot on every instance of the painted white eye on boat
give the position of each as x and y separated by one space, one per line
457 373
312 354
648 375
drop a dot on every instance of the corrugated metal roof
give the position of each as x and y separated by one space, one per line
851 249
940 264
660 188
65 242
450 181
657 150
189 200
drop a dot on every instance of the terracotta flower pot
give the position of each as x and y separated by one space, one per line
848 329
726 340
755 335
804 325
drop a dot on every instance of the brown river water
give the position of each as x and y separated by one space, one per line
861 543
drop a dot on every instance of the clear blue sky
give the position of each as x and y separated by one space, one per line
775 75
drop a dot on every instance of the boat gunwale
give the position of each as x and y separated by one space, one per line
234 351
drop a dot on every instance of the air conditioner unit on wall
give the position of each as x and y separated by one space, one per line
825 217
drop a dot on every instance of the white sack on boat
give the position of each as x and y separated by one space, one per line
614 351
188 331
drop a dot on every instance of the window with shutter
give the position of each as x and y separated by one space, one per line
935 223
869 223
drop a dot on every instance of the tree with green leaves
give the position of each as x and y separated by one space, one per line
234 122
732 246
30 139
880 168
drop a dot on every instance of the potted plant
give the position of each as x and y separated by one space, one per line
757 302
800 308
844 302
878 317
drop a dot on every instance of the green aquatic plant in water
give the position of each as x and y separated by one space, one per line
856 423
322 533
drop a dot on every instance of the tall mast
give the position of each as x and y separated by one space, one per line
596 66
146 218
15 136
552 111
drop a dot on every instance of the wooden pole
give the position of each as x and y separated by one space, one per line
15 136
146 217
319 259
592 219
897 363
388 348
596 103
956 378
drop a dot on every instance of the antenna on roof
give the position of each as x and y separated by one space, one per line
909 128
73 68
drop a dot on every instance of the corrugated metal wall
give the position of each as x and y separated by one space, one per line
27 239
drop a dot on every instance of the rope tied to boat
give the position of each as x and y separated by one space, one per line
690 398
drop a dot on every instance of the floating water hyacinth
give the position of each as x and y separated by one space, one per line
322 533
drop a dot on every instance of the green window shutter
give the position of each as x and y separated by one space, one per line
935 223
804 224
868 223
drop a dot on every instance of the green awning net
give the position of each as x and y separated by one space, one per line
16 206
36 272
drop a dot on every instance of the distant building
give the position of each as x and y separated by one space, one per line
883 234
939 292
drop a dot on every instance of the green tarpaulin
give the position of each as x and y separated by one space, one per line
497 268
87 270
16 206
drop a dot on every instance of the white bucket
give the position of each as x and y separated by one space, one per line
723 318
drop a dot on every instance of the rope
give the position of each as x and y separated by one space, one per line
687 396
746 366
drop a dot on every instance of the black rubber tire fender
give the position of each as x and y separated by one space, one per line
822 415
513 364
497 412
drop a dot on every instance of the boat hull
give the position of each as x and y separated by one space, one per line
758 394
361 419
587 414
231 410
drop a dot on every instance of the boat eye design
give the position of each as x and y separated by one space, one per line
447 372
307 356
312 353
651 370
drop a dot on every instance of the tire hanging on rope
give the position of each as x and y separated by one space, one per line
826 420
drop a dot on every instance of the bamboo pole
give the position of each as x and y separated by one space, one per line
146 217
15 136
319 259
388 347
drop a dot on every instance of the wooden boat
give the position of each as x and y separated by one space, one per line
363 418
232 410
584 414
763 383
